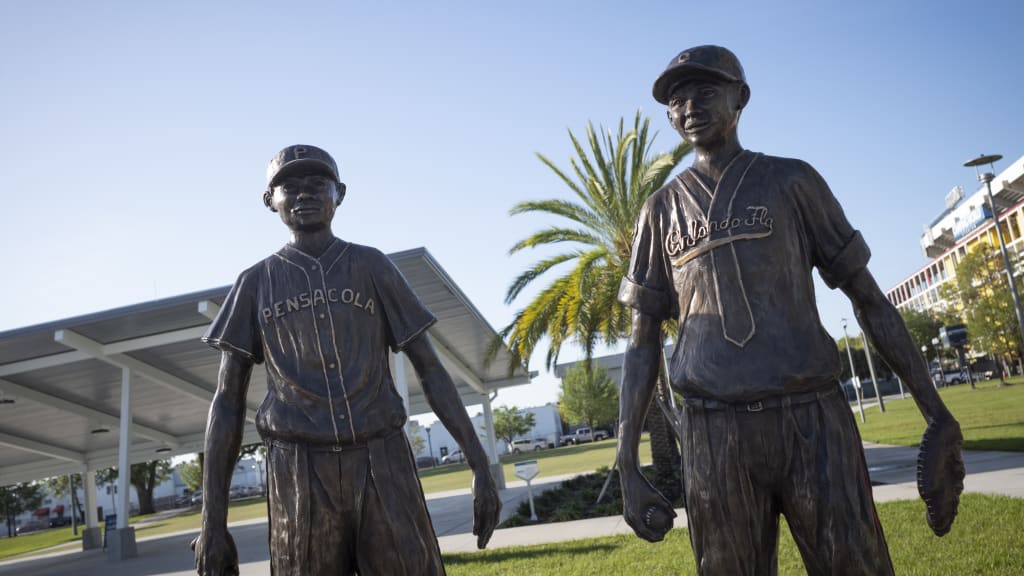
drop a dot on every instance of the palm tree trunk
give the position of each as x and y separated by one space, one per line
664 450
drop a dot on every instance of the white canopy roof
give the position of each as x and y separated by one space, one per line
60 382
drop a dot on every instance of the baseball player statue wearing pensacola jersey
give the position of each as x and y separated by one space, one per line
727 249
321 314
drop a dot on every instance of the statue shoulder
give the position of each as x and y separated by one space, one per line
661 195
789 171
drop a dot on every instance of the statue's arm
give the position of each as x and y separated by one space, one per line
447 406
940 466
639 377
885 328
215 551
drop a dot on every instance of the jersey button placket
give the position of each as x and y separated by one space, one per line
324 337
333 370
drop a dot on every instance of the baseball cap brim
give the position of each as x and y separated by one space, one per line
670 77
306 165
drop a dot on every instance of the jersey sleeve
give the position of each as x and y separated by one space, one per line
837 250
405 315
647 286
236 327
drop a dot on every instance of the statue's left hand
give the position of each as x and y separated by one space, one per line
486 507
215 551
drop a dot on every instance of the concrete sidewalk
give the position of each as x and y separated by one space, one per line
892 468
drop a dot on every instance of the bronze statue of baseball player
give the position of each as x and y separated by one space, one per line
727 250
321 314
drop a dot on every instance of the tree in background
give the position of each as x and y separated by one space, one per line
19 498
191 473
860 360
925 325
922 325
67 485
588 395
144 478
579 305
984 294
416 441
256 451
509 422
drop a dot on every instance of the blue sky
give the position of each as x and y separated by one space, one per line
135 135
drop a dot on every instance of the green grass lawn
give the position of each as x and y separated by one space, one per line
988 538
33 541
45 539
564 460
991 417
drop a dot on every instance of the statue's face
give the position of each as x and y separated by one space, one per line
306 201
705 111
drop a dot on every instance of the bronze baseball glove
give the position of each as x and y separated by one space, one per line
940 473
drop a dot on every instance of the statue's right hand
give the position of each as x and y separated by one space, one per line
216 554
646 511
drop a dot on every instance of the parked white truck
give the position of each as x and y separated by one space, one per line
584 435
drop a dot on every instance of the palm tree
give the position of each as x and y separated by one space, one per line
580 304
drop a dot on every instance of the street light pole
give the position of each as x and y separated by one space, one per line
853 373
430 447
871 368
938 360
924 352
987 178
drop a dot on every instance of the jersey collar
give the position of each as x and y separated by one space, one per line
329 256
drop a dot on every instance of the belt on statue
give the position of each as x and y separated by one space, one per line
346 447
768 403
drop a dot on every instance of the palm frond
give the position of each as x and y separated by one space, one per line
555 236
612 173
562 208
562 175
531 274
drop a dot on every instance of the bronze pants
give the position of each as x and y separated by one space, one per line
347 510
805 461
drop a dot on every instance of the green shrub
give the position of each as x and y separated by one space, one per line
575 499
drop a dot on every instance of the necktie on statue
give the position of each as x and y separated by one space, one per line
733 306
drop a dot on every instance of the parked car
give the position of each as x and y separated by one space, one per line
33 525
426 462
57 521
527 445
985 369
584 435
949 377
197 498
453 457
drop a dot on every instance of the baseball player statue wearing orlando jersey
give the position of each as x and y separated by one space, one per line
727 249
322 313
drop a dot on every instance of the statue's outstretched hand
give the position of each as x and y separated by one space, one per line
486 507
940 472
216 554
646 511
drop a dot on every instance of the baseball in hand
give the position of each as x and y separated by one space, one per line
657 519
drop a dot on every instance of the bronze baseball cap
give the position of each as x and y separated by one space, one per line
300 155
700 60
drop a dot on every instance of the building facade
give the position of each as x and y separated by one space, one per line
965 223
439 442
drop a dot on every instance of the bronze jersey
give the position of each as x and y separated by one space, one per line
733 265
323 326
